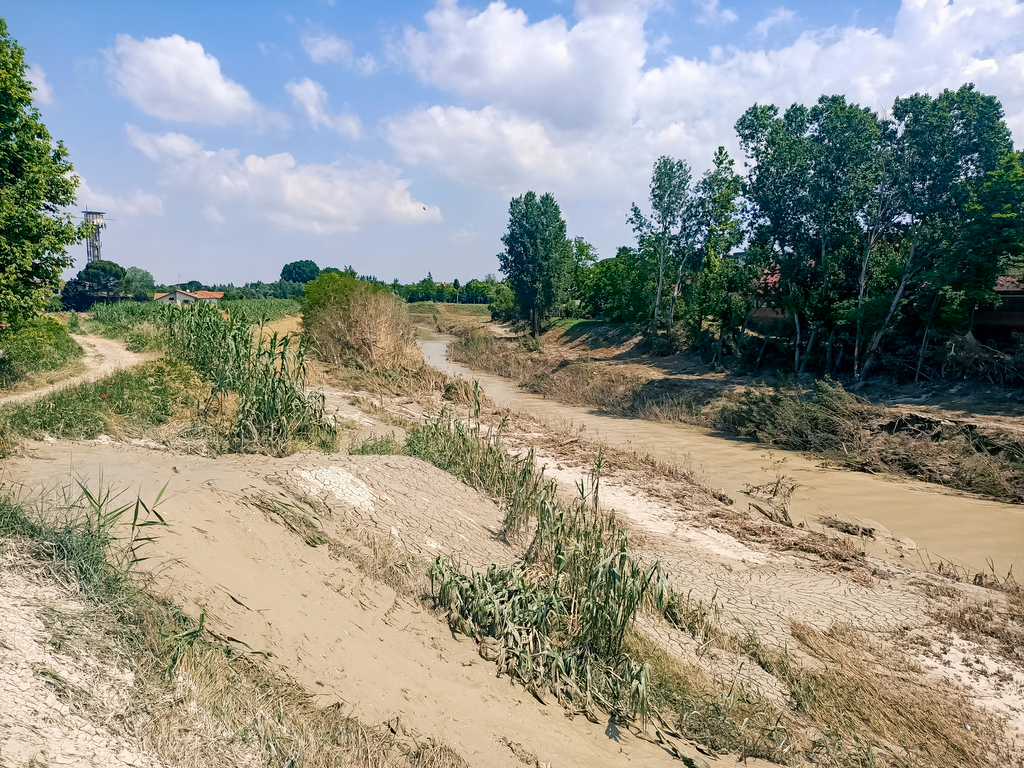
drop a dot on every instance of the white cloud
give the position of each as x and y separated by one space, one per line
292 196
213 215
138 204
36 76
325 48
175 79
482 148
312 97
778 16
573 77
366 65
710 13
577 106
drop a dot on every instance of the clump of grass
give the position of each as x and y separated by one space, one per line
257 311
380 445
865 698
126 402
479 459
42 344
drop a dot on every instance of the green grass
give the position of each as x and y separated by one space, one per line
259 310
258 397
129 400
40 345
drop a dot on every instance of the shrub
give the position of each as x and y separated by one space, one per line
354 322
41 344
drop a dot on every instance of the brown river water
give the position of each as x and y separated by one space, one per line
929 523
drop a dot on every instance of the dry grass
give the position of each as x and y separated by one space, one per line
369 328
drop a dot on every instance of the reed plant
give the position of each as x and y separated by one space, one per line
258 394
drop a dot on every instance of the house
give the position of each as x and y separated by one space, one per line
182 298
1002 321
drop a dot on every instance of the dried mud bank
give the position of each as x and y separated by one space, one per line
319 561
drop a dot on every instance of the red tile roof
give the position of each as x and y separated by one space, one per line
1006 284
209 294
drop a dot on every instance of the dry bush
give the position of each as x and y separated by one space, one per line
363 326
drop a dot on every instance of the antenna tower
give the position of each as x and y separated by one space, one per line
93 245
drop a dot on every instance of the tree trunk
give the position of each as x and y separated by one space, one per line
796 347
828 352
876 339
661 280
927 330
763 348
743 333
675 293
807 352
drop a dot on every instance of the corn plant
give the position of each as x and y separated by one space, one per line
258 384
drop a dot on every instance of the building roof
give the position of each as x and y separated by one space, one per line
195 295
1006 284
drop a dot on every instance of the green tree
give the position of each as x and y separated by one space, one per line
137 280
300 271
36 183
942 150
537 255
670 184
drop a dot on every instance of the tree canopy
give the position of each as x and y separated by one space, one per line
300 271
36 184
537 256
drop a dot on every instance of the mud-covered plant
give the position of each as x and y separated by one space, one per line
476 457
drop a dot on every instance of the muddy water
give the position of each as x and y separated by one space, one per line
925 522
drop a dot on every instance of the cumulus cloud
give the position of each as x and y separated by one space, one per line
327 48
575 77
312 97
577 105
778 16
482 147
176 79
310 197
36 76
139 203
710 13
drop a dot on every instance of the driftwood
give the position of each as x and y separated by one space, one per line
845 527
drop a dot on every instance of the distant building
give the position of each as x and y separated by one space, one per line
182 298
1008 317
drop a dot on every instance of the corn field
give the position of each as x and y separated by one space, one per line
258 392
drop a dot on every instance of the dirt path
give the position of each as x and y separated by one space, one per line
102 357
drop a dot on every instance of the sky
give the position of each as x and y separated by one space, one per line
226 139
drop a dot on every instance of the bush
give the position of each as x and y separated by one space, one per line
833 419
354 322
41 344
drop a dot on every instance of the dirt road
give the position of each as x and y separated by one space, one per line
102 357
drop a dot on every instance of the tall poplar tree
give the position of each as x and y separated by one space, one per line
538 256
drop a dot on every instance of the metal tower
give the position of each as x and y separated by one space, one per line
92 245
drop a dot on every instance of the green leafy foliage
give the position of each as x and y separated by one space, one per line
302 271
538 256
40 344
37 184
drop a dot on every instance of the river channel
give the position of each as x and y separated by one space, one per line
929 522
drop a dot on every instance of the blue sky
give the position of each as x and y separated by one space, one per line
226 139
